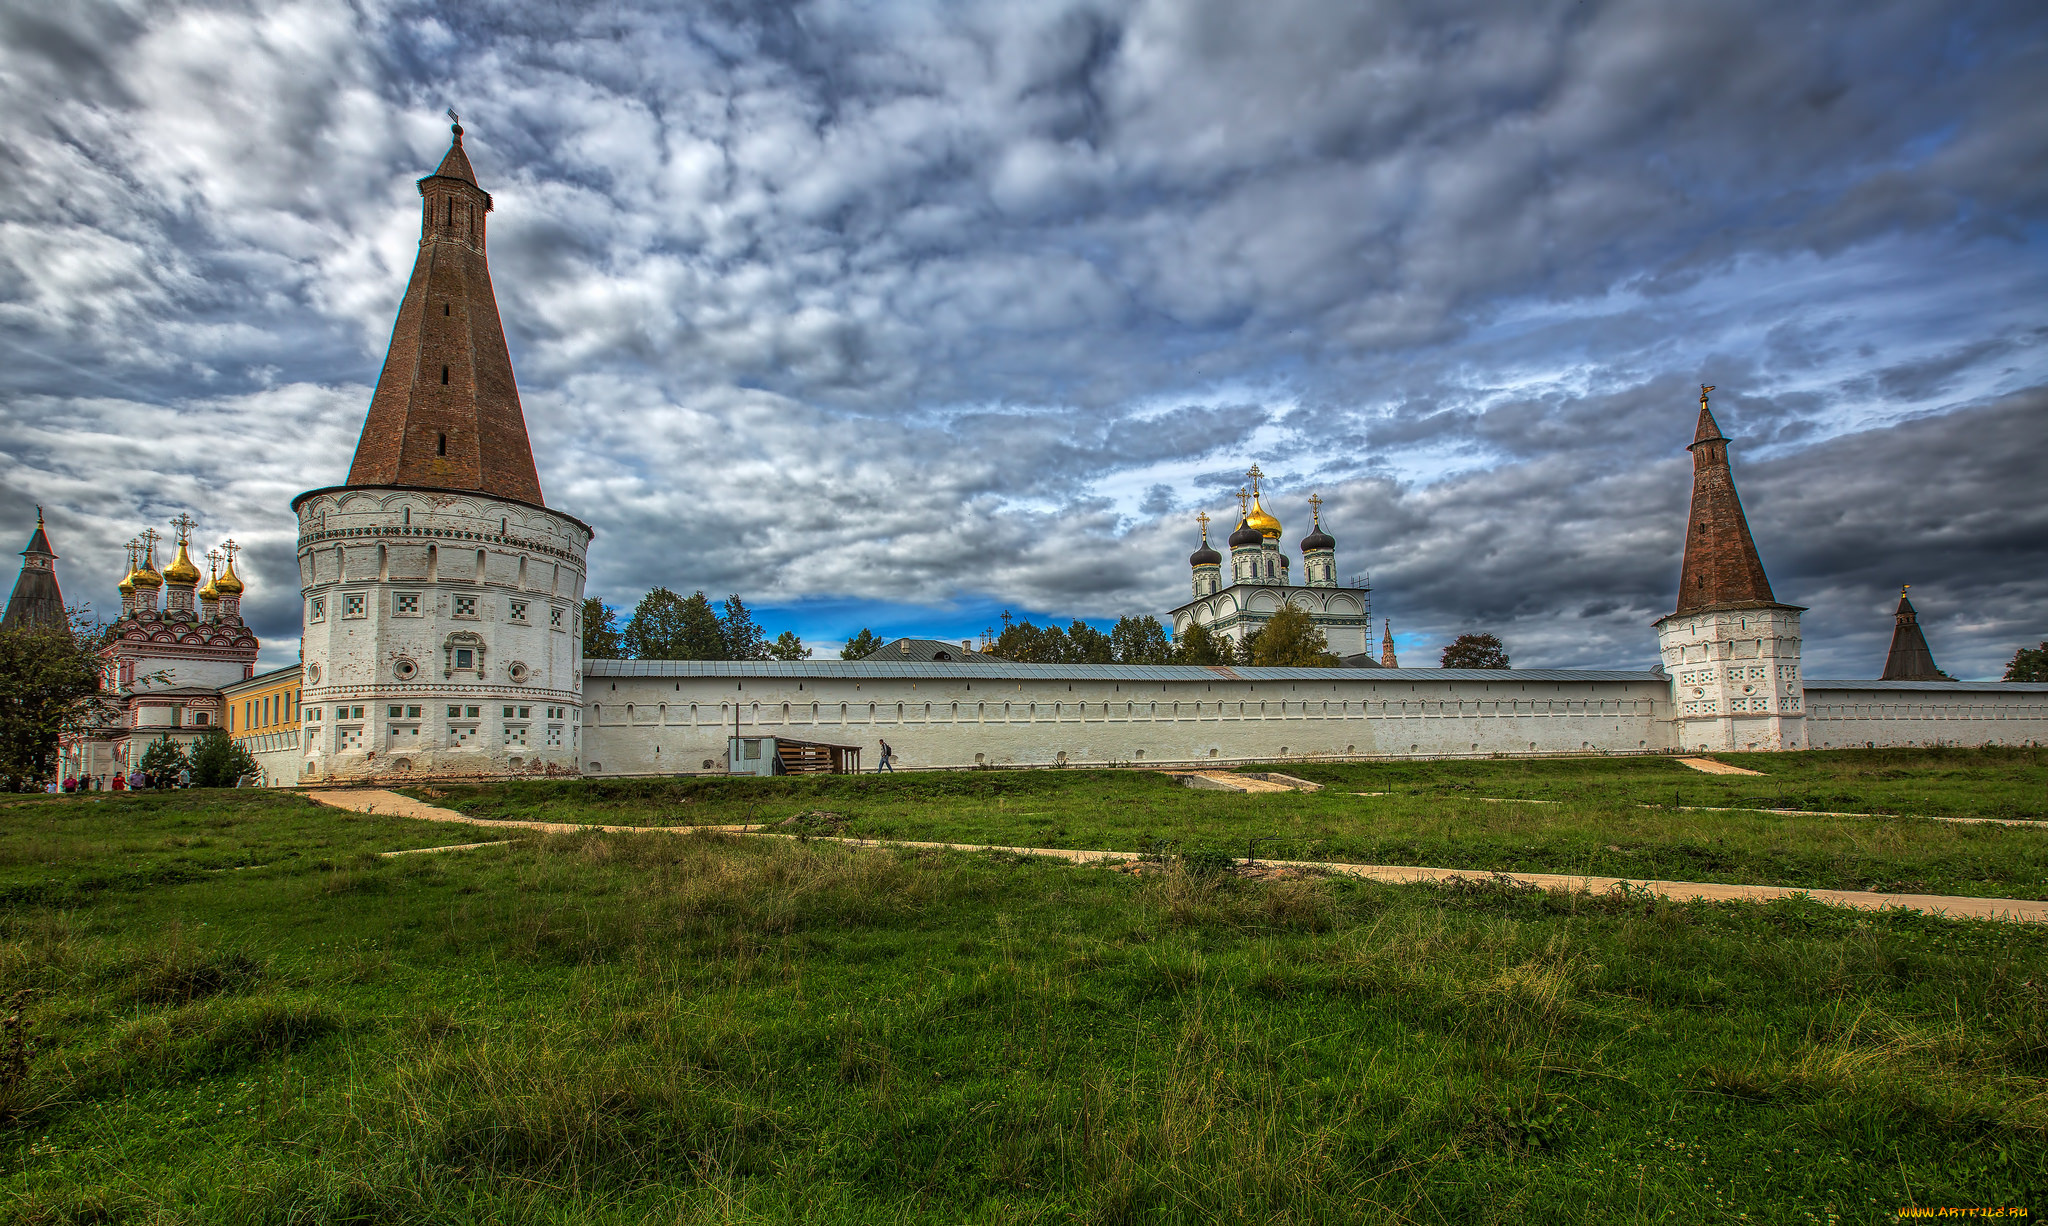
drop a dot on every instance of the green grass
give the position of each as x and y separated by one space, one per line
702 1028
1609 817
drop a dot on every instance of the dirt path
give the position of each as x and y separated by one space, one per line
2013 909
1711 767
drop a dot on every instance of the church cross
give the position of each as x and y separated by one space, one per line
1256 477
1316 501
149 538
229 547
213 563
184 524
1203 516
1244 503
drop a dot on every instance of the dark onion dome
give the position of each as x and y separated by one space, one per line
1205 556
1318 539
1247 535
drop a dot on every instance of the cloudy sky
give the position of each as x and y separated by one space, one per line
900 315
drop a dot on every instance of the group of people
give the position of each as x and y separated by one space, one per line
134 781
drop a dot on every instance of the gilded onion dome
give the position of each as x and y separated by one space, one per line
210 590
229 583
127 584
1263 520
146 574
181 572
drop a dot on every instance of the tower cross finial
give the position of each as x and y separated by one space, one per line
213 563
1203 516
229 548
184 524
1315 501
148 538
1244 503
1256 477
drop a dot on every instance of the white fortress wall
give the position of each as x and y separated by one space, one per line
672 717
1890 714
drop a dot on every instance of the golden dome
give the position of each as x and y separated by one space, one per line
1263 521
181 572
229 583
127 584
146 576
210 590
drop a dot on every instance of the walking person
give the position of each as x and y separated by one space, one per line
887 760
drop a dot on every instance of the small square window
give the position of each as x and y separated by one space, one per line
474 712
455 713
508 713
393 712
356 712
412 712
317 611
517 609
352 605
465 657
555 618
406 604
522 712
465 606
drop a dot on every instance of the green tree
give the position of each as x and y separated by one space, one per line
1025 643
744 638
2028 664
217 761
860 646
601 638
787 646
1289 639
1475 651
666 626
1198 646
163 758
1087 645
49 689
1140 640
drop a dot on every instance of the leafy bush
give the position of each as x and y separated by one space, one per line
217 761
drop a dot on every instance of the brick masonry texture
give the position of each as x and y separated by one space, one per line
1721 563
446 413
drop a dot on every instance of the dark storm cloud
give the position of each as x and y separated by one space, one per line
943 304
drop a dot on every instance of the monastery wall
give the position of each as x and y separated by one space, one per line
675 717
1890 714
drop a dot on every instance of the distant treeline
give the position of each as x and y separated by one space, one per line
1290 639
665 626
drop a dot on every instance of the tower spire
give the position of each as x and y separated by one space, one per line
1909 659
37 600
446 413
1721 564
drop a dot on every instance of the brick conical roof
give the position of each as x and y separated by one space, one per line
446 412
1721 563
1910 660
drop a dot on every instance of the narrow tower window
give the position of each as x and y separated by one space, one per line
444 308
444 374
440 444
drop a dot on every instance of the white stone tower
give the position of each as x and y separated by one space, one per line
1731 648
442 595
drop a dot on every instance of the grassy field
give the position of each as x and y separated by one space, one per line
233 1011
1599 816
